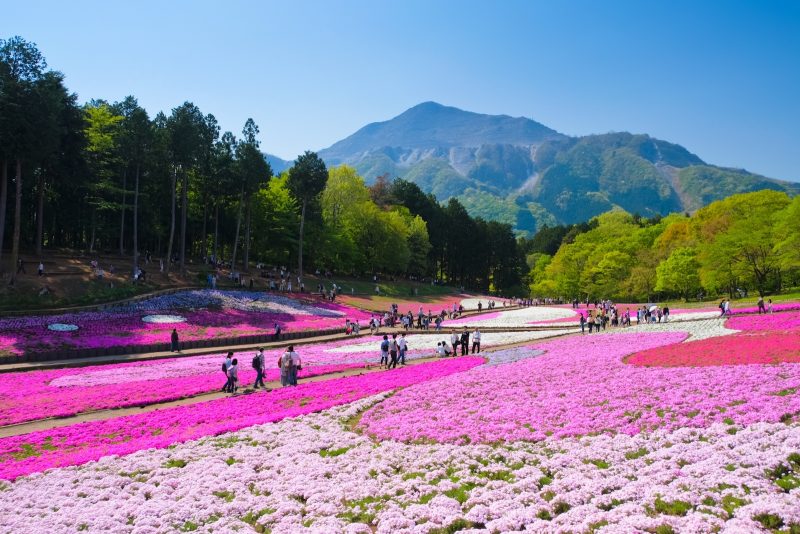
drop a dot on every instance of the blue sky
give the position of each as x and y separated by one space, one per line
719 77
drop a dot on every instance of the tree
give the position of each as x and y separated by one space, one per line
679 273
135 142
185 125
307 179
23 66
253 173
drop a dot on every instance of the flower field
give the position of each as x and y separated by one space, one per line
675 427
200 314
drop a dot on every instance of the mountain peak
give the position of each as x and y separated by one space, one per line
434 126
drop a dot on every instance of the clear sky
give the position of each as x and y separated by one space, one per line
721 78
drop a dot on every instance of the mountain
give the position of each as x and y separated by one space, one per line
278 165
516 170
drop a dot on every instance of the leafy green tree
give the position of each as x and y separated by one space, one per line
679 273
307 179
253 173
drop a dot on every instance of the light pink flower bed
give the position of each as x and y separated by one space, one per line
81 443
581 386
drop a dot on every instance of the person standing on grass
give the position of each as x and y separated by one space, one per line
233 376
583 322
40 270
761 307
297 366
258 365
385 351
174 341
225 366
769 305
590 320
393 348
403 346
476 340
465 342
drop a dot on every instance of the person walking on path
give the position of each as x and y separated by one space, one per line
258 365
761 307
465 342
225 366
403 346
476 340
174 341
727 309
583 323
393 348
40 269
454 342
285 363
385 351
233 376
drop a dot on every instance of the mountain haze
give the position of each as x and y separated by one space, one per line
516 170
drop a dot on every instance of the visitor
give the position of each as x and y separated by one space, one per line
225 366
385 351
174 340
727 309
769 305
258 365
465 342
403 345
454 341
277 334
297 366
582 321
20 266
666 314
40 270
393 348
440 350
722 308
476 340
598 322
761 307
233 377
285 364
590 320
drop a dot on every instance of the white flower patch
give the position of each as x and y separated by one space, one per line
163 319
429 341
314 473
62 327
518 317
698 329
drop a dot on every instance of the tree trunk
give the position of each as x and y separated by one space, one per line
40 214
247 238
300 254
238 226
172 222
17 223
204 243
3 202
94 226
122 216
136 220
216 230
184 210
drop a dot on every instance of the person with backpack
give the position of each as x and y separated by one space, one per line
465 342
225 366
297 366
285 363
258 365
233 376
385 351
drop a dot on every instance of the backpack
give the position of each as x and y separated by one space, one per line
256 362
385 346
224 368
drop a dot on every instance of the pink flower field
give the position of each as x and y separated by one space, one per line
77 444
580 385
201 315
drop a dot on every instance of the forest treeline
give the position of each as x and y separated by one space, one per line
744 243
106 176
